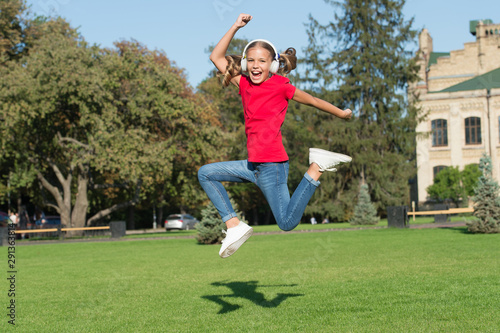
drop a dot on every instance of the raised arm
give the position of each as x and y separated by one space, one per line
218 55
307 99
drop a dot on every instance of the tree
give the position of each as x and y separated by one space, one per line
470 175
450 183
487 201
12 29
211 226
19 30
361 61
364 212
74 115
17 33
447 185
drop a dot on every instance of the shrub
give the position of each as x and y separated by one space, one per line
487 201
364 212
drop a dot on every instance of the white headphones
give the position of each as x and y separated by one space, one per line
275 65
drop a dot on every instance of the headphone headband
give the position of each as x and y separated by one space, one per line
276 54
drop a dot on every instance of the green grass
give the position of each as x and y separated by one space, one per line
374 280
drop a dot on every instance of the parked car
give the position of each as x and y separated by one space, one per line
180 222
48 222
4 219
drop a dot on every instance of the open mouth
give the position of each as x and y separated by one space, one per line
256 75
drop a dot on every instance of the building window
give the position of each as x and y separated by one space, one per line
438 168
439 132
473 131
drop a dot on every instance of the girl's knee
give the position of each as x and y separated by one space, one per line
286 227
203 172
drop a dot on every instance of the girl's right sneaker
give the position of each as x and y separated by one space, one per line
235 237
327 160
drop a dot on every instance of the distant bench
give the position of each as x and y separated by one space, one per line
117 228
34 231
397 216
444 212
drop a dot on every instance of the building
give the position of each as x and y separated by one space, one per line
460 91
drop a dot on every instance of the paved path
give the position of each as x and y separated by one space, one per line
172 235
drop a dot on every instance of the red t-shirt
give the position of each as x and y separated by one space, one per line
265 107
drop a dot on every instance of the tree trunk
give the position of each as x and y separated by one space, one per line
130 218
255 216
160 217
63 201
79 214
268 217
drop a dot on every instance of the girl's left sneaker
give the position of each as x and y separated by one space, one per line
327 160
235 237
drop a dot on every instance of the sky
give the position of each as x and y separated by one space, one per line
184 29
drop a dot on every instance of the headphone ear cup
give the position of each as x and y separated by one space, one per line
275 65
244 64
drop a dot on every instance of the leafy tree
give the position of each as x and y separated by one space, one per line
470 176
12 29
447 185
19 30
74 115
361 61
17 33
487 201
450 183
364 212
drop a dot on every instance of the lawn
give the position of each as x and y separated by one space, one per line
373 280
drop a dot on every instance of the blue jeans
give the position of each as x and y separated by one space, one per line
271 178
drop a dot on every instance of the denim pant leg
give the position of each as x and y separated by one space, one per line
272 180
211 176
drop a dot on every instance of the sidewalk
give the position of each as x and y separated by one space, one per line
172 235
412 226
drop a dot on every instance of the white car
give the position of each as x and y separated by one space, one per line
180 222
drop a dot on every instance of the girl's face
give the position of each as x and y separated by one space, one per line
258 64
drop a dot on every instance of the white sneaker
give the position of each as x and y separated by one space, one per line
327 160
235 237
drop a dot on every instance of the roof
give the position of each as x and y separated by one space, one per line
487 81
473 25
435 55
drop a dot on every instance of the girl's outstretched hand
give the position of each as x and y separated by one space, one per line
242 20
348 114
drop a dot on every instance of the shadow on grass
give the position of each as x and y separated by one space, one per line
463 230
247 290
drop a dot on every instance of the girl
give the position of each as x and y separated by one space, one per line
265 99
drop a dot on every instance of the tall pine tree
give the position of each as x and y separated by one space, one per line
487 201
364 212
360 61
211 226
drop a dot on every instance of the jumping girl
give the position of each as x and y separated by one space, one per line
265 93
